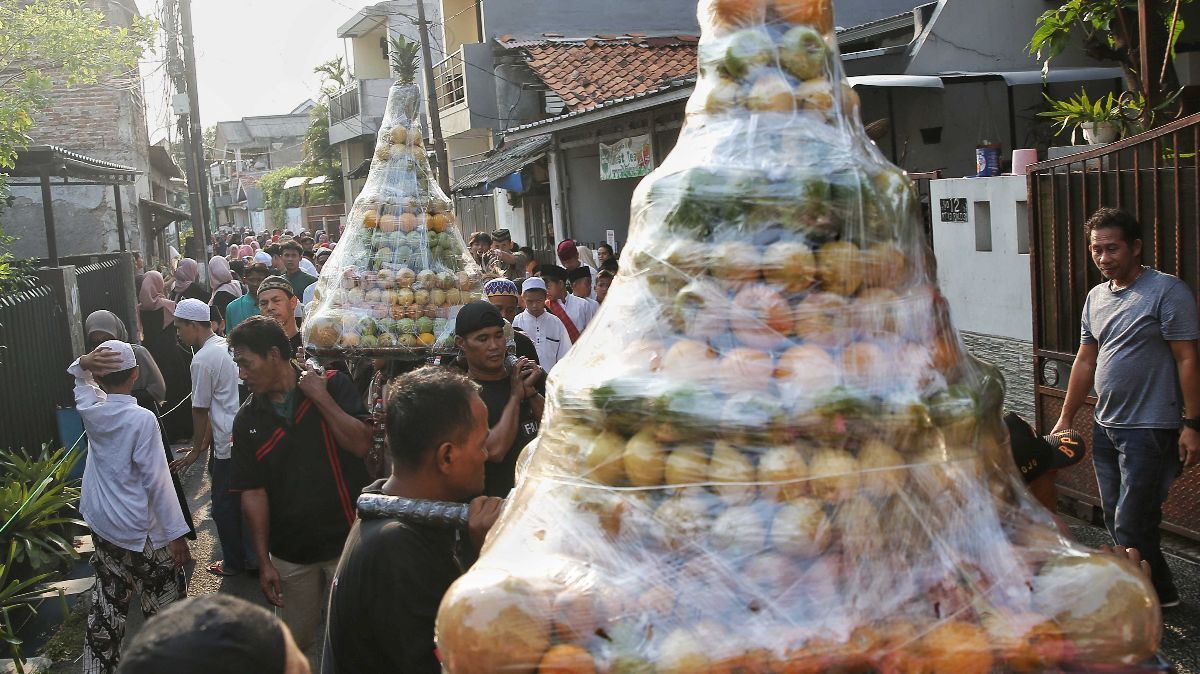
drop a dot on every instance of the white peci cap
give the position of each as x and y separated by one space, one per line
192 310
122 349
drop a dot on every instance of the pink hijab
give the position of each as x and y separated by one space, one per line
218 269
151 297
245 251
185 274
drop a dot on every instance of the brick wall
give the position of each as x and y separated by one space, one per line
1014 358
106 121
84 119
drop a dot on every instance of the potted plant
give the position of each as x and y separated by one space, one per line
1101 121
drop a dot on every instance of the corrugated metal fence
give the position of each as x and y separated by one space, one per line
33 381
105 285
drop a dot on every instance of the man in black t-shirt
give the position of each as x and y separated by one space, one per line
298 445
513 400
394 573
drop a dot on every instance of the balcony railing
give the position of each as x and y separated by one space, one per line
344 104
449 81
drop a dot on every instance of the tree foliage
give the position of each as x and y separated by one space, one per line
334 76
44 43
1109 31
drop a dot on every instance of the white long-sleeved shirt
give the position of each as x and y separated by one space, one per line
127 491
581 310
549 336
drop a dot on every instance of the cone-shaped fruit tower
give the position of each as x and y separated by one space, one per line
400 272
769 452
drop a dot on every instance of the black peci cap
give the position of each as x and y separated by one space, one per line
476 316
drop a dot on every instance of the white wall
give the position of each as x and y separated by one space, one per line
988 291
507 217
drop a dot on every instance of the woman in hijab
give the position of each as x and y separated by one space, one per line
245 250
227 290
157 314
149 389
186 284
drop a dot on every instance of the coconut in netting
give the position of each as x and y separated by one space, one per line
400 272
770 451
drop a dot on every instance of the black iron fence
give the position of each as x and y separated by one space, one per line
1156 177
107 285
33 379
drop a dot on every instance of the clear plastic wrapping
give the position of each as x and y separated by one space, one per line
770 451
401 271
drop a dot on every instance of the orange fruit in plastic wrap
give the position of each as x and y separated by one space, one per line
789 265
760 317
840 267
567 659
438 222
371 219
956 646
389 223
325 331
1103 605
491 622
815 13
1025 642
744 369
738 12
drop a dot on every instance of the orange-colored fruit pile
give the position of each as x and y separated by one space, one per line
399 273
770 452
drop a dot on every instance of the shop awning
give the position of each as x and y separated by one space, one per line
162 215
504 162
924 81
1019 77
293 183
51 161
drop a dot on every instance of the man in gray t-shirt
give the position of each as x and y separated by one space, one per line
1138 347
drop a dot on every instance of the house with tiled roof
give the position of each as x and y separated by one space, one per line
247 148
506 63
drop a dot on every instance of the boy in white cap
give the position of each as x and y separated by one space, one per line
548 333
128 502
215 403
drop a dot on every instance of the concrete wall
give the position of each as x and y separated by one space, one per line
954 42
461 25
574 18
966 113
367 59
850 13
988 290
596 205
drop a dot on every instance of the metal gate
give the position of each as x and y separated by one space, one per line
33 379
475 214
1156 177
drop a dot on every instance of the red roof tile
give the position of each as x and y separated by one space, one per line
590 72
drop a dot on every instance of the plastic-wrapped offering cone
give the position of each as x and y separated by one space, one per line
400 272
770 452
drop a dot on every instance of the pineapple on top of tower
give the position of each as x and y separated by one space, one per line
400 272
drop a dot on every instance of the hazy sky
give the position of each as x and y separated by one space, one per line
253 57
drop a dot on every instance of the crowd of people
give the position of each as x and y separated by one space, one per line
286 443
